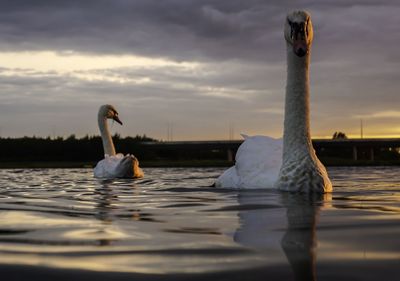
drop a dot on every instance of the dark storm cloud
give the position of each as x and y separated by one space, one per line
185 30
179 29
191 29
169 28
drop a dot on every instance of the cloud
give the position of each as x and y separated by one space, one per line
182 29
380 114
150 93
198 64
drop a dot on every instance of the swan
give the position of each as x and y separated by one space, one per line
114 165
289 164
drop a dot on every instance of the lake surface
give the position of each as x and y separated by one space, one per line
62 224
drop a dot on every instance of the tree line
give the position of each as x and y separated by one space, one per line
88 148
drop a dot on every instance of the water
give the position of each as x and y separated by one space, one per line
63 224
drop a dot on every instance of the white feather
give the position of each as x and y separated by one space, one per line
258 161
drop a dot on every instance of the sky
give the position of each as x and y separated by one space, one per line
194 69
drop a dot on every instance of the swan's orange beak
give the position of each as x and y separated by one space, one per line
116 119
300 47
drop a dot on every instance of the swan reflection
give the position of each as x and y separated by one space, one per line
299 240
104 201
107 231
260 228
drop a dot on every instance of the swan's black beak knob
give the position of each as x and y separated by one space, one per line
300 52
116 119
300 48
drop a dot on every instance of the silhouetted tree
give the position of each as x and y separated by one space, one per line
339 136
88 148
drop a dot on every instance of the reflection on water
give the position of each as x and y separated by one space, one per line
257 229
300 238
172 223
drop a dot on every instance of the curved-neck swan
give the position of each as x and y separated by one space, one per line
114 165
264 162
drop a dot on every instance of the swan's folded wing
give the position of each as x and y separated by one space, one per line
117 166
128 167
107 168
258 161
228 179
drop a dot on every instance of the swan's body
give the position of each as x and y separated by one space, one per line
300 170
258 161
114 165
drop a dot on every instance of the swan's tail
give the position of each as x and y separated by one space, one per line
244 136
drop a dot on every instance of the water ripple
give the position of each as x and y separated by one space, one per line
173 221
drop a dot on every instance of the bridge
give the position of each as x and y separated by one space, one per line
365 148
368 147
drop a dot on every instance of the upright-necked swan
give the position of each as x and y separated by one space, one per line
263 162
114 165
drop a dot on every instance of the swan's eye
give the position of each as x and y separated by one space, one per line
112 113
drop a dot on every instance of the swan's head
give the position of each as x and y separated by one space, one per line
108 111
299 32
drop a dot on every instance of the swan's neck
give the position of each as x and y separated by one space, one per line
296 135
108 144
